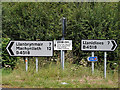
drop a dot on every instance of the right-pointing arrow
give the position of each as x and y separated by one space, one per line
9 48
114 45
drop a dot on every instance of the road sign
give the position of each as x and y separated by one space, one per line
30 48
92 58
98 45
62 44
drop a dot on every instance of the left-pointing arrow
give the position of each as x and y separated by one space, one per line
9 48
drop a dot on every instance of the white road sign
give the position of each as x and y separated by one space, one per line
98 45
62 44
30 48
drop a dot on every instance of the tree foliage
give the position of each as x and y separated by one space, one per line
6 59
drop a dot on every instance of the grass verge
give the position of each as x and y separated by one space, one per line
52 76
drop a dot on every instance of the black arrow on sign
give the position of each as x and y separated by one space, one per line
113 45
9 48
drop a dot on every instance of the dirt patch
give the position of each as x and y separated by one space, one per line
17 76
82 81
110 82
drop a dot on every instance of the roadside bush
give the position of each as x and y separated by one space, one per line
7 61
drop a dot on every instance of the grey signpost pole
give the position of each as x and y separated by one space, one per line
36 64
26 61
63 34
92 63
105 56
63 57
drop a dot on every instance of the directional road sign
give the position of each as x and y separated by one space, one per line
30 48
92 58
62 44
98 45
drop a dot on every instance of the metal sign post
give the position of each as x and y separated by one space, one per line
92 64
62 57
26 61
36 64
63 34
105 56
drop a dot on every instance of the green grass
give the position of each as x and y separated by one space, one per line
51 76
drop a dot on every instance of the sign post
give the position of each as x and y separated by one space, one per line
105 56
26 61
63 34
63 44
92 63
36 64
63 59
